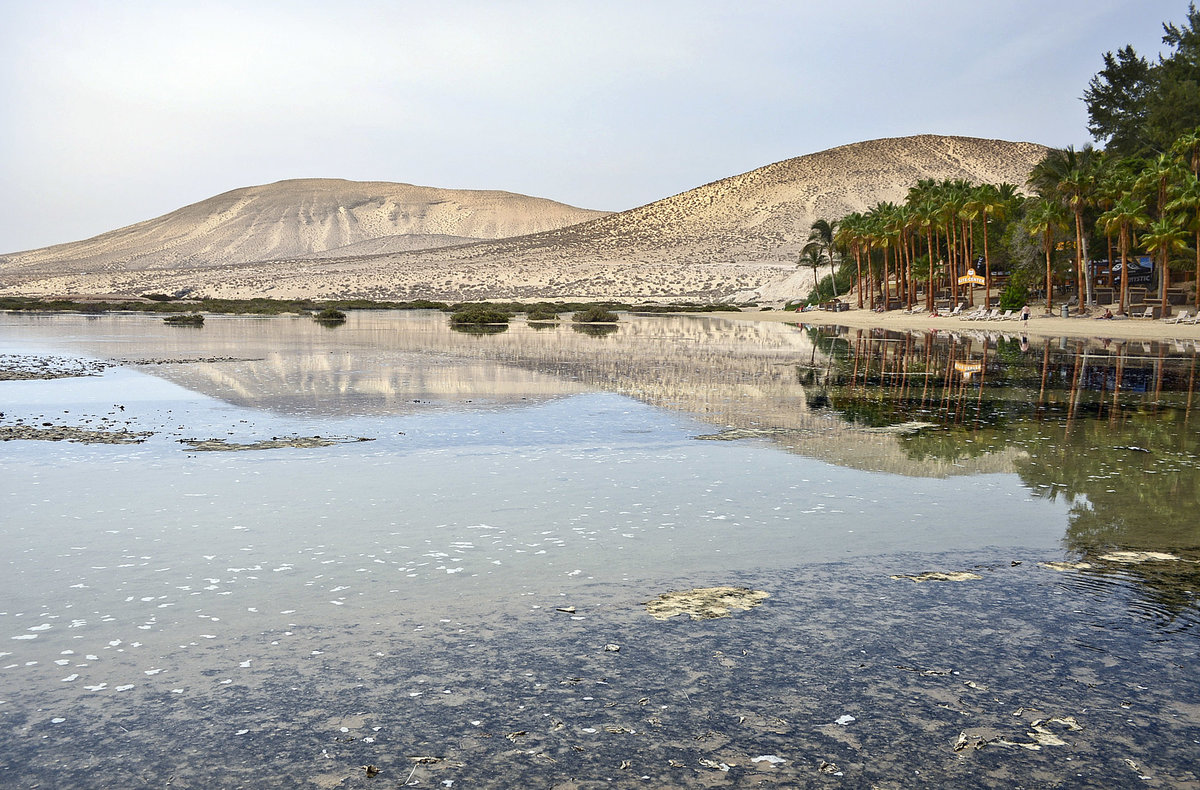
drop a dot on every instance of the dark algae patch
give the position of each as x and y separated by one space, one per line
218 445
842 677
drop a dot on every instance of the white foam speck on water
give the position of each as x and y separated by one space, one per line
71 678
26 636
57 720
123 688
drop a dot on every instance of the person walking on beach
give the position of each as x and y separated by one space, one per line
1025 317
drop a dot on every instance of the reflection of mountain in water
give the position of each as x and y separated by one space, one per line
734 375
993 404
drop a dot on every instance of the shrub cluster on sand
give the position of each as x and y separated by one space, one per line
594 315
330 316
479 314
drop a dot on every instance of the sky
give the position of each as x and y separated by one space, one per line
116 112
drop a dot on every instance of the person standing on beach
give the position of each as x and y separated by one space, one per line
1025 316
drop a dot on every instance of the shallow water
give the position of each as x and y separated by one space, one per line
284 617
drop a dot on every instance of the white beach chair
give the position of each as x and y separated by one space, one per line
1179 319
1008 316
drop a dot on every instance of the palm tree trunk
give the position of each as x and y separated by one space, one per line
1166 283
887 291
1080 274
952 249
1124 242
1049 279
1108 277
929 285
987 267
858 271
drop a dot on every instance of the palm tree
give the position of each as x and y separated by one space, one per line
822 232
1163 238
1188 146
1187 203
994 202
1071 176
1044 218
951 205
925 212
1126 216
849 235
812 256
1158 178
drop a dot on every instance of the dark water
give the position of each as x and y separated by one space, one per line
285 617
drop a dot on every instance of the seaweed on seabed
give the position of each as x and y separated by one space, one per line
185 319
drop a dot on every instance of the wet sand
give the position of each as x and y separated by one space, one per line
1038 325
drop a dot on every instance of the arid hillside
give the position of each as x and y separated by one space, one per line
305 217
737 238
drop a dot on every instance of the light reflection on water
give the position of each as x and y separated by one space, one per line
510 474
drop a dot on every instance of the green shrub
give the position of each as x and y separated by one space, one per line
594 315
542 312
1013 297
479 314
330 316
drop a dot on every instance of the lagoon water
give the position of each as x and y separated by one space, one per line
179 616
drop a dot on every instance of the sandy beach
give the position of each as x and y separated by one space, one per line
1039 324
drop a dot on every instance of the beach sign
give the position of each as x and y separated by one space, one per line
971 278
968 369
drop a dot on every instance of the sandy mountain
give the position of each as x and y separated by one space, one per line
735 238
305 217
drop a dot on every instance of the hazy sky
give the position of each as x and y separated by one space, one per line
115 112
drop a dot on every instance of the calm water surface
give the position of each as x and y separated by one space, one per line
283 617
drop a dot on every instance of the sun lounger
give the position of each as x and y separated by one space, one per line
1008 316
1149 313
1179 319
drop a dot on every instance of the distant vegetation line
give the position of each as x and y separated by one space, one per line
260 306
